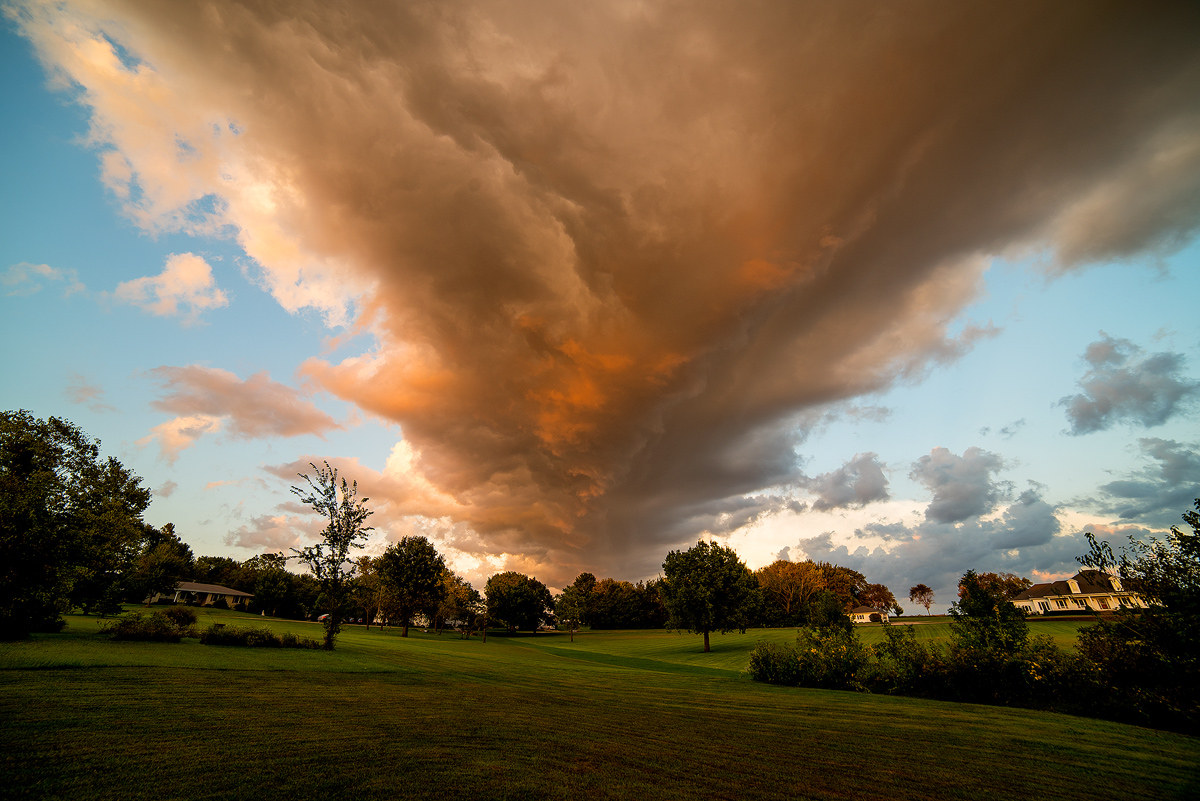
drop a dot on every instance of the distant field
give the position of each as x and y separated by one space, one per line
640 715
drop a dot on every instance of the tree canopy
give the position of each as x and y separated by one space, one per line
708 588
1006 585
984 617
921 594
412 569
71 525
518 602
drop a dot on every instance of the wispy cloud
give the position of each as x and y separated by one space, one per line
208 400
25 279
81 391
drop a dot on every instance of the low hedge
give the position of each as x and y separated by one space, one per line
253 637
154 627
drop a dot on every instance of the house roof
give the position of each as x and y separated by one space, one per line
866 610
1091 582
217 589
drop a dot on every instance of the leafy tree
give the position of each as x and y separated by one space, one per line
108 514
1006 585
921 594
70 523
880 597
826 610
653 613
1150 658
787 587
708 588
845 583
573 604
163 561
461 603
413 571
372 591
614 605
329 560
518 601
984 617
222 570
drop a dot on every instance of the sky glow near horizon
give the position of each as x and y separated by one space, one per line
566 288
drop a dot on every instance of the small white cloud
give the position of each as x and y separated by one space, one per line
178 434
166 489
25 279
185 288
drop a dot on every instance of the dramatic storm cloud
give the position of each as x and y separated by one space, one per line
1125 384
611 259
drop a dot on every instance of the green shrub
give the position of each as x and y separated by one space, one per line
155 627
181 616
253 637
829 658
775 664
220 603
905 666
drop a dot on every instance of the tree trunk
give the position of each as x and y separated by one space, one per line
404 631
706 642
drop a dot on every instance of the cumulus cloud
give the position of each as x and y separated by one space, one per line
962 486
611 256
166 489
185 288
855 484
1027 536
24 279
1124 384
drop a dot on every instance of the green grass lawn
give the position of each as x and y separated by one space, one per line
640 715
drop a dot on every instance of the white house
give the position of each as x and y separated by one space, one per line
868 614
202 594
1085 592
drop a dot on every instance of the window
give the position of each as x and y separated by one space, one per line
1060 603
1103 603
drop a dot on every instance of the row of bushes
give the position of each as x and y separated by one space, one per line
254 637
1034 674
169 625
172 625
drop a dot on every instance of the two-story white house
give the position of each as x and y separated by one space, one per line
1086 592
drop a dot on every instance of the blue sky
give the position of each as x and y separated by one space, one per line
441 397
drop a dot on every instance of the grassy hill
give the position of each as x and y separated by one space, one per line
640 715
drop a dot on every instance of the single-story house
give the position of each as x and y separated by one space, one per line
1085 592
202 594
868 614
